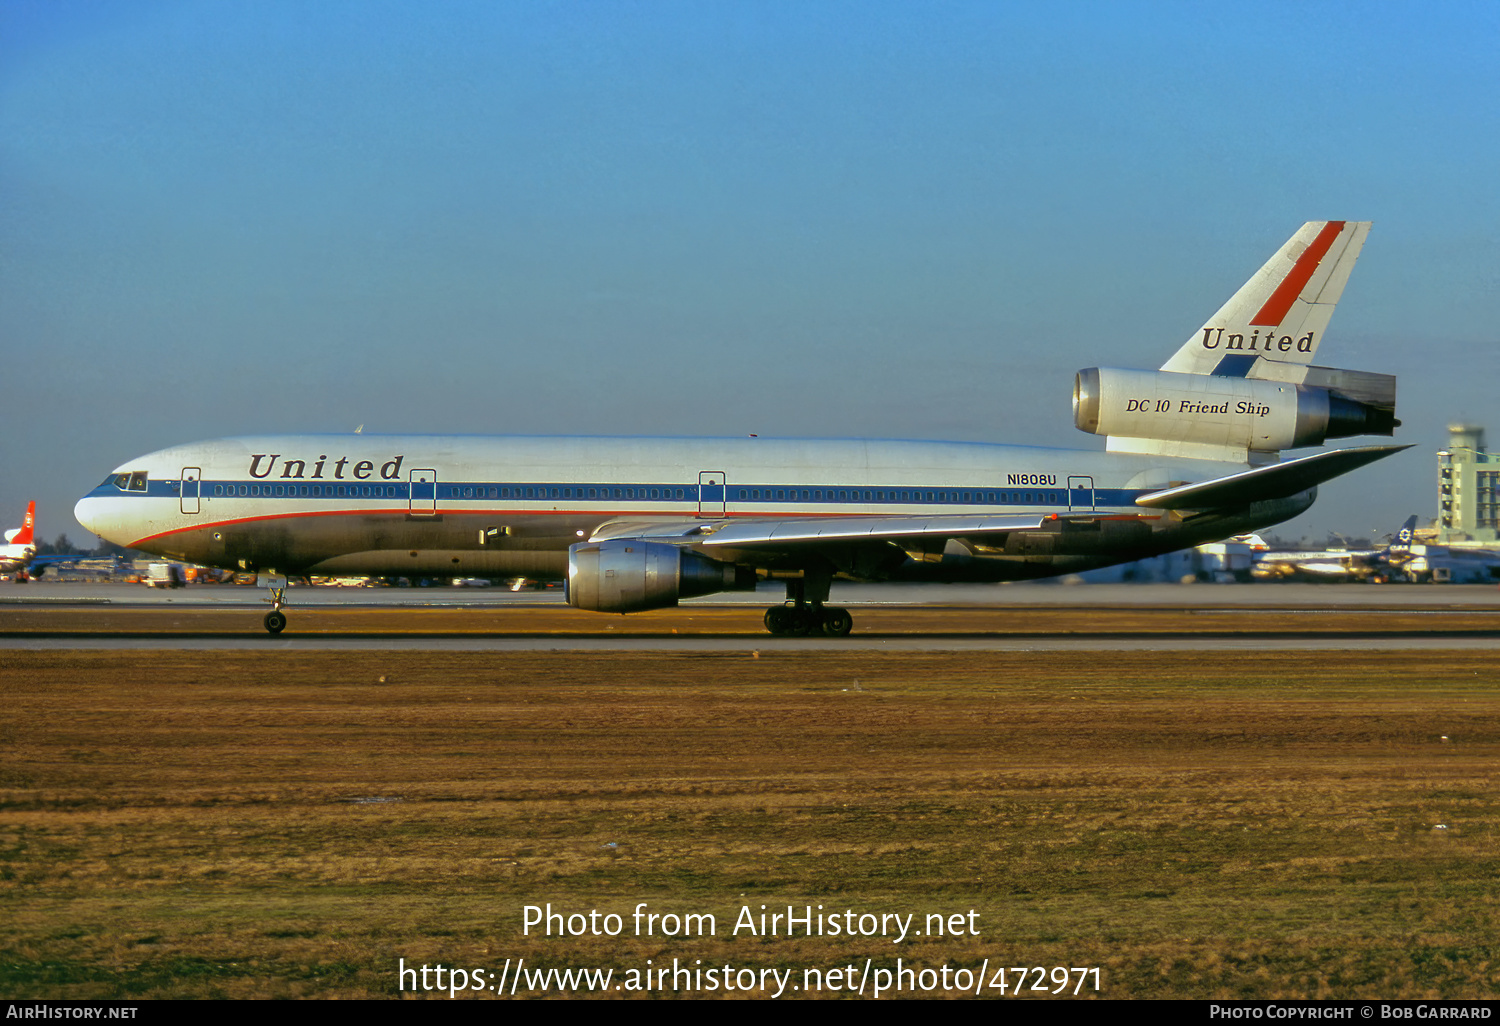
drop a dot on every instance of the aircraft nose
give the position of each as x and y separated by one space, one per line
102 515
86 513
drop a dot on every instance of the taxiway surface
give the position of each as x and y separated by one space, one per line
919 618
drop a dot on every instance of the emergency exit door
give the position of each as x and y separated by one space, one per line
192 483
423 484
1080 494
711 493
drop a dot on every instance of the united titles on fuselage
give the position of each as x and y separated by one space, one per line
390 470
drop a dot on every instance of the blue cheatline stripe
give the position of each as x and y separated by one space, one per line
739 497
1236 365
760 494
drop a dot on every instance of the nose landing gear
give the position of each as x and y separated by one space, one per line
275 620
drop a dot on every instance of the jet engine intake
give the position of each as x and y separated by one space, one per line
629 575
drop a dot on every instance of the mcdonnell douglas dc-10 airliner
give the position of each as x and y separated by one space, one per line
1193 455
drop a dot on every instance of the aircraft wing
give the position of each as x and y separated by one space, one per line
771 532
55 560
1273 481
750 533
794 538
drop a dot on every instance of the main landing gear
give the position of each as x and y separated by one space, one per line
800 622
804 612
275 620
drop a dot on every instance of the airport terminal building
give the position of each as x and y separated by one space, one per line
1468 486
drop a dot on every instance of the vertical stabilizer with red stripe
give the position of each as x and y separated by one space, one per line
1271 327
1244 387
24 534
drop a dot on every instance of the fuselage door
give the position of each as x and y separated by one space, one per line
423 484
1080 494
188 498
711 493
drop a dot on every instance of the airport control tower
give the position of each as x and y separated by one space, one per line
1468 486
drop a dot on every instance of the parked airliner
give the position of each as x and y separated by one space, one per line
1346 564
18 554
1193 454
20 544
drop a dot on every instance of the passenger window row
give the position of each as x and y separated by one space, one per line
137 482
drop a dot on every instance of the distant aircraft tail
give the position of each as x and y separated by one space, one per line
1244 387
23 535
1401 541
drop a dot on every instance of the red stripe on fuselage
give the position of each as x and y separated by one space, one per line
403 512
1275 310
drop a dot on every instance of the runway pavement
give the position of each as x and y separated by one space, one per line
52 592
1019 617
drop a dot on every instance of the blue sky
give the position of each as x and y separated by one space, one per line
818 219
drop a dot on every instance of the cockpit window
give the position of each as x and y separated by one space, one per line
135 481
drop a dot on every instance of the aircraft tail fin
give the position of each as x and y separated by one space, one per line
1280 314
1244 387
23 535
1401 541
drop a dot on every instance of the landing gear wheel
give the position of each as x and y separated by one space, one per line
779 620
275 621
837 623
794 621
802 622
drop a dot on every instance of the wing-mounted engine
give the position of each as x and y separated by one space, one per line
1230 418
629 575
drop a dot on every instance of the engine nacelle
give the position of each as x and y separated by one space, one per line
628 576
1245 413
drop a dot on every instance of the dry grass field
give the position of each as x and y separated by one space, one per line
239 824
187 620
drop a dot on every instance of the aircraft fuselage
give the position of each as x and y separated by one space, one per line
428 505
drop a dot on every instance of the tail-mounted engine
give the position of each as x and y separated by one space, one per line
1199 411
627 576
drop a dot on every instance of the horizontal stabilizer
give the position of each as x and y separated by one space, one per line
1275 481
